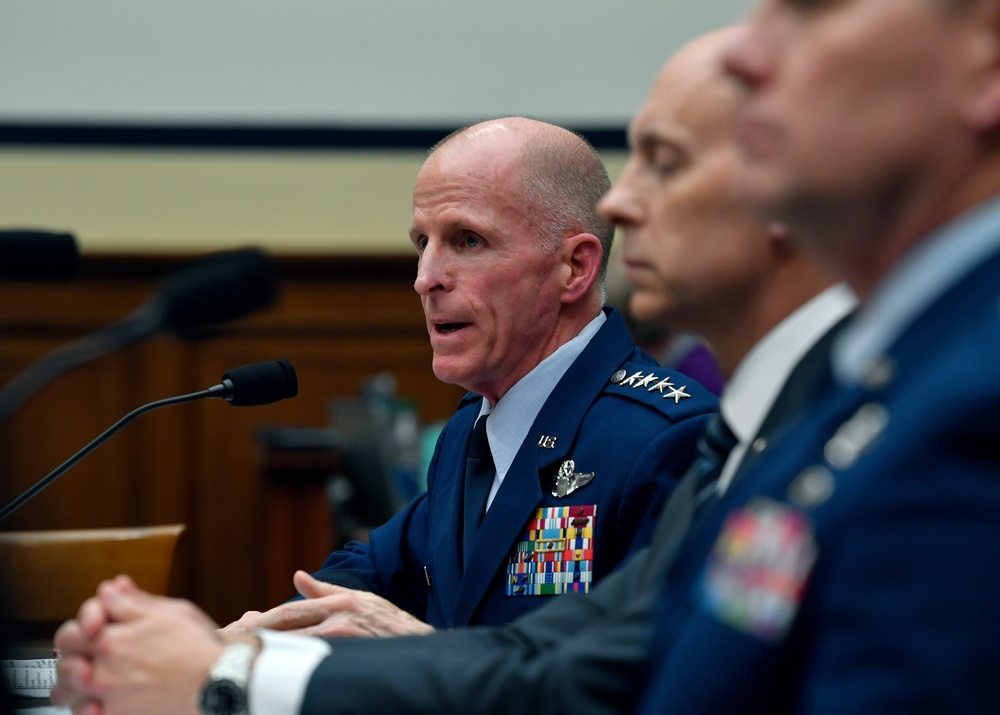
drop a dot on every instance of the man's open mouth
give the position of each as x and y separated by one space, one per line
449 327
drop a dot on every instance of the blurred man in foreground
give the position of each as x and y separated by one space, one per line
858 570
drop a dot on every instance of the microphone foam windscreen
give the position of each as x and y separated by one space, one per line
262 383
217 289
31 256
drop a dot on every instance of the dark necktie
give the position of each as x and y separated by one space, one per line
805 382
714 446
479 474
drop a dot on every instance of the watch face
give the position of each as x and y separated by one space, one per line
223 697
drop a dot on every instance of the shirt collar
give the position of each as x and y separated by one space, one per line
516 411
759 377
920 278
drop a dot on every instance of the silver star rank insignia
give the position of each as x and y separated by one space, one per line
677 393
568 480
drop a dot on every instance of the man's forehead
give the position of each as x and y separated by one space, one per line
658 105
474 178
671 111
480 141
490 155
453 195
691 96
651 127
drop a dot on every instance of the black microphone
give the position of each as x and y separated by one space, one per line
258 384
34 256
215 289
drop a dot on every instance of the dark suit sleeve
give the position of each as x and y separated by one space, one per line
653 478
577 655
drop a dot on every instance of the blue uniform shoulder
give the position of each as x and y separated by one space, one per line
668 391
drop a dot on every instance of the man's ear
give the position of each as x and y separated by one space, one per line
581 263
778 238
777 231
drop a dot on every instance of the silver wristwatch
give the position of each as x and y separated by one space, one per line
225 691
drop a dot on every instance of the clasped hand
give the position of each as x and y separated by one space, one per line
128 651
331 611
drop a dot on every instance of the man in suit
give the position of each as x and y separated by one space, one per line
858 569
512 259
577 654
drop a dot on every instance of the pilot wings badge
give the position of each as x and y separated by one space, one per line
568 480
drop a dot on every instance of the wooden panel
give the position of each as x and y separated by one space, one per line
49 573
339 320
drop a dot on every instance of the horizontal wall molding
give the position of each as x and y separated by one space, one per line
283 138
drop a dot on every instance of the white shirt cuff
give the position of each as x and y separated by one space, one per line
282 671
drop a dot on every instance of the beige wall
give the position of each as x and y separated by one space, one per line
194 201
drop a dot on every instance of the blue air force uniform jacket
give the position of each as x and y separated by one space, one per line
857 567
615 414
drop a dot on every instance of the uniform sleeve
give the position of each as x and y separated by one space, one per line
386 565
390 564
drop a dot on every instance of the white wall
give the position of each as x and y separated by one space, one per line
396 62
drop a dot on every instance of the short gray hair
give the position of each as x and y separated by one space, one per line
562 180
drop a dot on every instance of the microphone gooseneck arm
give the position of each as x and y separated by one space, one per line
216 289
141 323
99 440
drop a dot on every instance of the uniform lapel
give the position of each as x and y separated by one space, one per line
522 490
513 504
834 406
445 522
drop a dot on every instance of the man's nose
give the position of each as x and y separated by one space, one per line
432 271
749 57
620 206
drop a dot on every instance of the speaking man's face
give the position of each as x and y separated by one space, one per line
490 293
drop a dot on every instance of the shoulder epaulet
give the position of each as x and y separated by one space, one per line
669 391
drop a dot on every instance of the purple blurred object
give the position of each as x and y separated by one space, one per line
689 355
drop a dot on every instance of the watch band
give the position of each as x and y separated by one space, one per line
234 663
225 691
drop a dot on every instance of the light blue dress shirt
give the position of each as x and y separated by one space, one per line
513 415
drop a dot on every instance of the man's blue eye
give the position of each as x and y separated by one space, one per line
471 241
